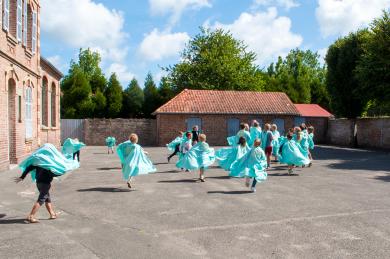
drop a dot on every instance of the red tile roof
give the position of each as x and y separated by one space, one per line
312 110
229 102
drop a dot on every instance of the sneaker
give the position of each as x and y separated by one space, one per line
187 170
253 189
129 185
202 179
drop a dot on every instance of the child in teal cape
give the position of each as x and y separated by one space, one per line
71 148
291 154
310 131
275 141
252 165
174 145
43 165
233 140
266 142
200 156
227 156
133 159
110 142
255 132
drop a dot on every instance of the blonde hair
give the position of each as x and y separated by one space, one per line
257 142
267 126
202 137
133 138
274 127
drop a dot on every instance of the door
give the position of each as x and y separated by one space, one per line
280 124
191 122
233 127
299 120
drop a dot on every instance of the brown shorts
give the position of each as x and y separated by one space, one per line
268 151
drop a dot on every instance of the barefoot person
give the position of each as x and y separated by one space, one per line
43 165
134 159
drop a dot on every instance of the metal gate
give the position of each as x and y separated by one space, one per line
72 128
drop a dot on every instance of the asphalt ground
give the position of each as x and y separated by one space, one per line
339 208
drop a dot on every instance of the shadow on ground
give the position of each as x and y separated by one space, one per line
385 178
229 192
12 221
108 168
104 189
179 181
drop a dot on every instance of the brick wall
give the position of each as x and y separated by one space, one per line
96 130
370 132
214 126
320 128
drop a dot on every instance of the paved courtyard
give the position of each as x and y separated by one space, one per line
339 208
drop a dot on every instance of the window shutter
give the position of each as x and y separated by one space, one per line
19 19
25 28
6 15
34 32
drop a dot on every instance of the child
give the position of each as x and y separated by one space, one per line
255 131
71 148
266 140
174 146
291 154
185 146
195 134
44 164
233 140
226 156
110 142
200 156
252 165
275 141
310 131
133 159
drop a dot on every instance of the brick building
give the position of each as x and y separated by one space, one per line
29 84
219 113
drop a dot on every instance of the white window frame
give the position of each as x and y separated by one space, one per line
34 33
28 119
6 15
25 22
19 20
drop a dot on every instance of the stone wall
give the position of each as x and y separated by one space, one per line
96 130
369 132
320 125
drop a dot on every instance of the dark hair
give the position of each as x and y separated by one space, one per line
289 136
310 129
303 126
242 126
188 133
242 141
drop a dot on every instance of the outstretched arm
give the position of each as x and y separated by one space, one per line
25 173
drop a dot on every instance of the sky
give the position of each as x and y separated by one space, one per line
137 37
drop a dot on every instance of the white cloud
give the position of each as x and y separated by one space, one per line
175 7
160 45
265 33
122 72
57 62
322 53
341 17
287 4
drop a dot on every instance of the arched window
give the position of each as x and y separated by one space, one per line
53 103
45 112
28 119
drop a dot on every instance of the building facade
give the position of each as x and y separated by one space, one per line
29 84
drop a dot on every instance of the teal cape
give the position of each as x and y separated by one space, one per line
252 164
233 140
311 141
275 142
226 156
292 155
264 139
171 146
133 159
48 157
110 141
255 133
71 146
199 156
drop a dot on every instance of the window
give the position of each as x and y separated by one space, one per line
53 106
19 108
19 19
280 124
28 120
34 32
44 102
191 122
6 15
233 127
25 23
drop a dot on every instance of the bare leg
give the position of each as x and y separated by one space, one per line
49 207
34 210
268 160
201 174
247 181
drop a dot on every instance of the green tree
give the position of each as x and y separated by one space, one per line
133 100
216 60
373 69
300 75
165 91
114 97
100 103
345 90
151 96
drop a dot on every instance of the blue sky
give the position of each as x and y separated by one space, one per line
135 37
